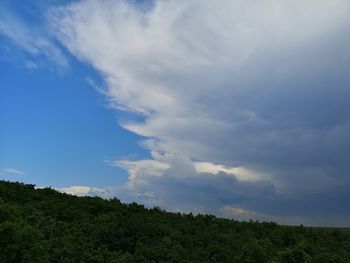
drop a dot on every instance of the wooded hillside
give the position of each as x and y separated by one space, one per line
43 225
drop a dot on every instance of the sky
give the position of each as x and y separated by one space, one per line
235 108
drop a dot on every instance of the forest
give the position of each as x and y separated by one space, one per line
44 225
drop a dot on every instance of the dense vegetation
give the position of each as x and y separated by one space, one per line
43 225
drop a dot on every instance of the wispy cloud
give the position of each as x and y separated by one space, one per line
32 40
11 171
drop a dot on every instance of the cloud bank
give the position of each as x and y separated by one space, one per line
244 104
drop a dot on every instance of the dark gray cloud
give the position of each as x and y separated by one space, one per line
182 188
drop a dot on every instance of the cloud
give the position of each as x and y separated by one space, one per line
31 40
86 191
173 182
240 173
254 93
139 169
11 171
236 212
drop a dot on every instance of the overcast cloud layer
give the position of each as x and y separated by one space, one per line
245 104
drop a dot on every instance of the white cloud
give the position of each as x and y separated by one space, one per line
139 171
241 173
11 171
251 89
86 191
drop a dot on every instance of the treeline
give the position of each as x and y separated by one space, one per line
43 225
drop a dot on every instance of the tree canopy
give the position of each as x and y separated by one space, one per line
43 225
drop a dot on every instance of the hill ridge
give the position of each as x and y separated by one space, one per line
44 225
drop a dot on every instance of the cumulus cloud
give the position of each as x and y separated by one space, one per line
86 191
252 92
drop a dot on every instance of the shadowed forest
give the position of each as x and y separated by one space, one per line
43 225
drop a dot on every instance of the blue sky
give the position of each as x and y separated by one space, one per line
237 108
56 128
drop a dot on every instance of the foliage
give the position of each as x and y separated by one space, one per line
43 225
